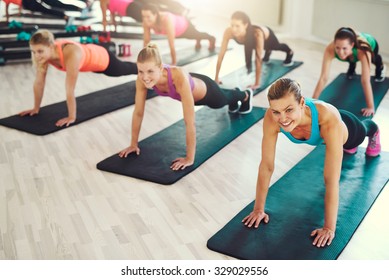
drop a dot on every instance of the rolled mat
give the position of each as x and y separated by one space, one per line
295 204
215 128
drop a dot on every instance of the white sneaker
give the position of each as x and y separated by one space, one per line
381 78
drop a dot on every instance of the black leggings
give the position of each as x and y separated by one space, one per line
35 6
216 97
376 60
134 10
117 67
192 33
357 130
272 44
59 5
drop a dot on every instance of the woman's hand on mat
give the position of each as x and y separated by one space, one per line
367 112
254 218
129 150
65 121
324 236
181 163
31 112
218 81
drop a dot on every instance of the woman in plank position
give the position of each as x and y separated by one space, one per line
190 89
313 122
71 57
173 26
351 47
253 37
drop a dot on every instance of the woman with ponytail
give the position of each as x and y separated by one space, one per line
71 57
189 89
351 47
253 37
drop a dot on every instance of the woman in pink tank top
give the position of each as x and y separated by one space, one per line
174 26
72 58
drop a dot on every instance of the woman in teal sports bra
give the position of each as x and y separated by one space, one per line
190 89
352 47
312 122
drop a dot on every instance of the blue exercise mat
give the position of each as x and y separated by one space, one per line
348 94
295 204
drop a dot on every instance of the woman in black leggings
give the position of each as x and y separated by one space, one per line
253 37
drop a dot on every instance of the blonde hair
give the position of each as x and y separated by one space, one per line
41 37
150 53
283 87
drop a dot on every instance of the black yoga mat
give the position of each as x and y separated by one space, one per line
88 106
188 55
348 94
295 204
270 73
215 128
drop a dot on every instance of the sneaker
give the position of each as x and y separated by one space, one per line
351 151
288 60
247 105
233 108
351 71
374 147
381 77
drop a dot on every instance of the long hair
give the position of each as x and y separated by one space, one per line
154 10
359 42
150 53
249 42
283 87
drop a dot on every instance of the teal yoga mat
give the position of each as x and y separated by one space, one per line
215 128
188 55
270 73
348 94
295 205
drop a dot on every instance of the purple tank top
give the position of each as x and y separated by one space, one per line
172 89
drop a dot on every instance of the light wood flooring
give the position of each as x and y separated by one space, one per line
55 204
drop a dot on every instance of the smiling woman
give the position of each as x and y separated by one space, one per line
311 122
351 47
190 89
71 57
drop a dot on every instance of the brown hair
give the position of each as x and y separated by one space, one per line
283 87
150 53
359 42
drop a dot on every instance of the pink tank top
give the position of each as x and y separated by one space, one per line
119 6
94 58
180 24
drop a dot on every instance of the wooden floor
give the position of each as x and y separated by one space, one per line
55 204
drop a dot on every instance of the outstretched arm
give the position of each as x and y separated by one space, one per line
72 58
137 118
103 7
39 87
226 37
169 25
332 131
265 171
180 79
259 45
328 56
365 58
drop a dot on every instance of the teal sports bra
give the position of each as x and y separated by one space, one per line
315 138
